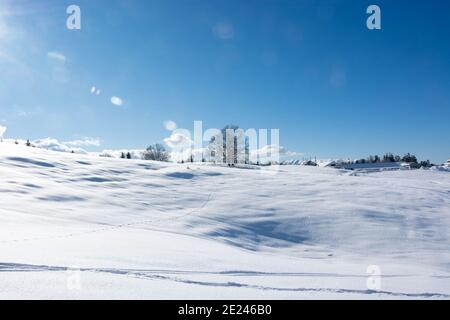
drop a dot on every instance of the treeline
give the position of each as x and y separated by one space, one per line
389 157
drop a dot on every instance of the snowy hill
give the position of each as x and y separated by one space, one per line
447 164
140 229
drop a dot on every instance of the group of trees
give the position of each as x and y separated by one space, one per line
125 156
155 152
389 157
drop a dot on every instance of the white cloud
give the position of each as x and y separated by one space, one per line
181 145
223 30
268 152
116 101
170 125
2 131
93 89
57 56
85 142
55 145
178 141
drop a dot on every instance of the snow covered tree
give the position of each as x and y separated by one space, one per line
156 152
128 155
230 146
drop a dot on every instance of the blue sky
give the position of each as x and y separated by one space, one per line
310 68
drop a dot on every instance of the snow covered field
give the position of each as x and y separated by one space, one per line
78 226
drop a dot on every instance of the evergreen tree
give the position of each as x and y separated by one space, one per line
388 157
425 164
409 158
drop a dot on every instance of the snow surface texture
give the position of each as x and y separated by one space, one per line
77 226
